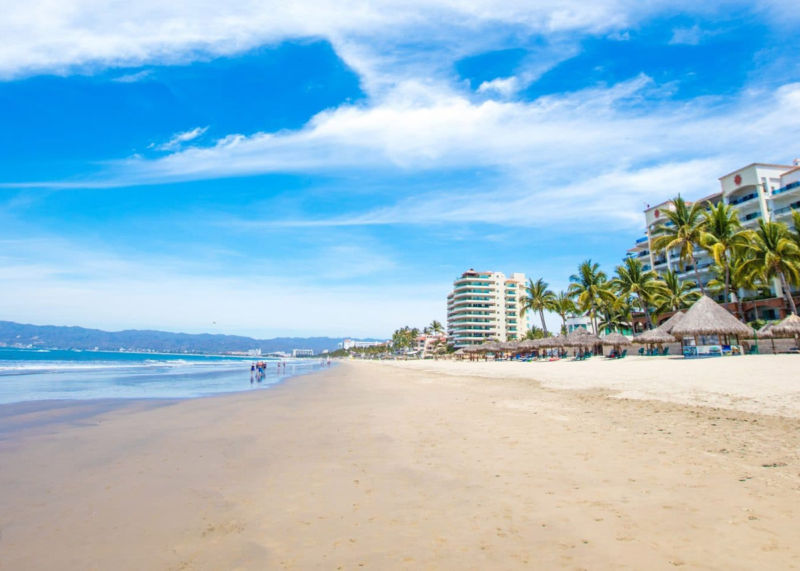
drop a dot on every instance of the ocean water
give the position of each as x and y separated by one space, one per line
35 375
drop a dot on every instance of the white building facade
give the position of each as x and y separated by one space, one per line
758 191
485 305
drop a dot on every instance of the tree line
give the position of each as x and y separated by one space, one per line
742 259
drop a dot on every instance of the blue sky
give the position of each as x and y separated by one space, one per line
330 168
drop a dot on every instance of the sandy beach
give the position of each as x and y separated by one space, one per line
638 463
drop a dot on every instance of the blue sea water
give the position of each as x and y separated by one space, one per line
34 375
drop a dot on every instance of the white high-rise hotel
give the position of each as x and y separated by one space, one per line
485 306
758 192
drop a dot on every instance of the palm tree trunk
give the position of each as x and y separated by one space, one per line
541 316
787 292
646 310
740 307
697 275
728 284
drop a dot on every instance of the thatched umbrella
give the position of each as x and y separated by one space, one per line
707 317
615 339
671 322
788 327
655 336
582 338
766 333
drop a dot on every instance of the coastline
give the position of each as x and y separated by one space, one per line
384 466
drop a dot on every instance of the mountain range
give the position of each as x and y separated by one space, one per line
61 337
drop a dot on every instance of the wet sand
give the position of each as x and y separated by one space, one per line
404 466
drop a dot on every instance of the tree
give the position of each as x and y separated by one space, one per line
563 306
683 230
616 315
723 234
772 253
633 281
674 294
590 288
405 337
537 298
535 333
436 328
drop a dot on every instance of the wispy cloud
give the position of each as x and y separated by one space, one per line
134 77
178 139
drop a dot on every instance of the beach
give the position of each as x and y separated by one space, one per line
636 463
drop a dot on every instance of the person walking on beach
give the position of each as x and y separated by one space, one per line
252 372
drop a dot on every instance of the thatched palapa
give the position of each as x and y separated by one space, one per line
671 322
615 339
788 327
654 337
706 317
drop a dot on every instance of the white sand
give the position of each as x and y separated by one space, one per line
765 384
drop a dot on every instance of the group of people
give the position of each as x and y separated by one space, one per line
259 370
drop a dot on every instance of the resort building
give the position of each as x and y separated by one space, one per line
485 306
758 191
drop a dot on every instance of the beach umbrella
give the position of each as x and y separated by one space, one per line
671 322
766 333
654 337
582 338
707 317
788 327
615 339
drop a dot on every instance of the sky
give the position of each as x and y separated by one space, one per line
329 168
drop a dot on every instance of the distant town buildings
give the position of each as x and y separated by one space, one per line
353 344
758 191
485 305
302 352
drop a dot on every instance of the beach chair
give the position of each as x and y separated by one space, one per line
665 351
623 354
641 350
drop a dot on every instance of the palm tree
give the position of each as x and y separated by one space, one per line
633 280
772 253
435 327
675 294
683 230
737 279
537 298
534 333
563 306
723 234
615 316
590 288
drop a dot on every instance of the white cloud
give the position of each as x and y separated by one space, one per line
505 87
133 77
688 36
178 139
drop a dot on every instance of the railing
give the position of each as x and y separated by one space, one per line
742 199
751 216
642 239
787 188
786 209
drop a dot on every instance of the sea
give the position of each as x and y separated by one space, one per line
51 374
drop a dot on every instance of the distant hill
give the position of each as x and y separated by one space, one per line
60 337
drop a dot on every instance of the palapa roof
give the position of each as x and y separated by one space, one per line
707 317
615 338
582 338
557 341
667 326
766 331
653 336
789 326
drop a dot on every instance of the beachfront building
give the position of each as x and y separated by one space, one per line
347 344
484 306
428 343
758 191
302 352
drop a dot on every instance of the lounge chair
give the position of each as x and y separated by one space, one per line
665 351
623 354
641 350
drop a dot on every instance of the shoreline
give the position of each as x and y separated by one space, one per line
369 465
